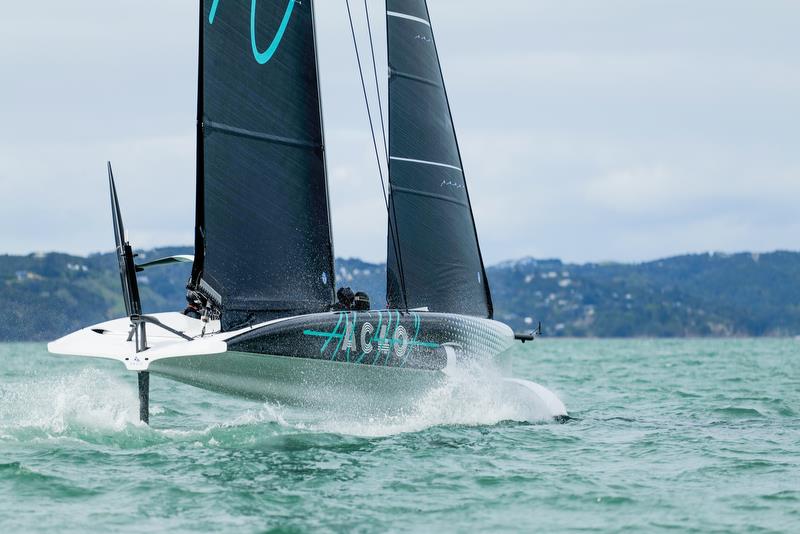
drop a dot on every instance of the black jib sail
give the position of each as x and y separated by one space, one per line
439 261
263 240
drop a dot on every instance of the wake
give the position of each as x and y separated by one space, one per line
475 395
96 406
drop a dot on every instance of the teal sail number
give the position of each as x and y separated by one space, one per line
266 55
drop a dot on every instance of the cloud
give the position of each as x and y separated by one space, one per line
615 131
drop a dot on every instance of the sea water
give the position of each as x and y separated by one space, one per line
679 435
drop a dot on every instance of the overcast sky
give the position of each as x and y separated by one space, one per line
614 130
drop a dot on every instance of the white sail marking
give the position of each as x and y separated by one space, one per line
409 17
459 169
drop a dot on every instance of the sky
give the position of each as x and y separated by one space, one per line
623 130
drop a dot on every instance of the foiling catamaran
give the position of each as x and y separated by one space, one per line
265 320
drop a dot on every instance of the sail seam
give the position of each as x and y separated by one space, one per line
408 17
424 162
259 136
417 192
400 74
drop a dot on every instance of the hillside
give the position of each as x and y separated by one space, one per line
43 296
692 295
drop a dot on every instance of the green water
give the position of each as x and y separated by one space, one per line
696 435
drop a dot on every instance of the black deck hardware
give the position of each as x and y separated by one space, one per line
529 336
136 319
524 336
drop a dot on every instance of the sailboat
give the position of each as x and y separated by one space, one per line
265 320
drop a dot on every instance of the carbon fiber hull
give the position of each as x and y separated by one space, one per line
358 358
385 338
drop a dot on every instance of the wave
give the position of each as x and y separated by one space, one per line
740 412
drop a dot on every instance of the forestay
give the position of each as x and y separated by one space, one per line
439 262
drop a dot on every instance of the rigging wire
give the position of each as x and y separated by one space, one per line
366 101
377 86
392 229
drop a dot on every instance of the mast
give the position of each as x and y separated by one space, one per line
199 241
263 242
332 254
439 259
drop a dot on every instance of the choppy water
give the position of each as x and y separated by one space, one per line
697 435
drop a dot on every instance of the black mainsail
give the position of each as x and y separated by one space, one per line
438 260
263 242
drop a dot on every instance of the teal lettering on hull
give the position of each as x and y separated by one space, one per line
379 342
266 55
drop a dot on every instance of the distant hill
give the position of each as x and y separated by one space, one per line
43 296
693 295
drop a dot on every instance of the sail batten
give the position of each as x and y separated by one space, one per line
423 162
263 242
438 265
420 79
445 198
262 136
408 17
